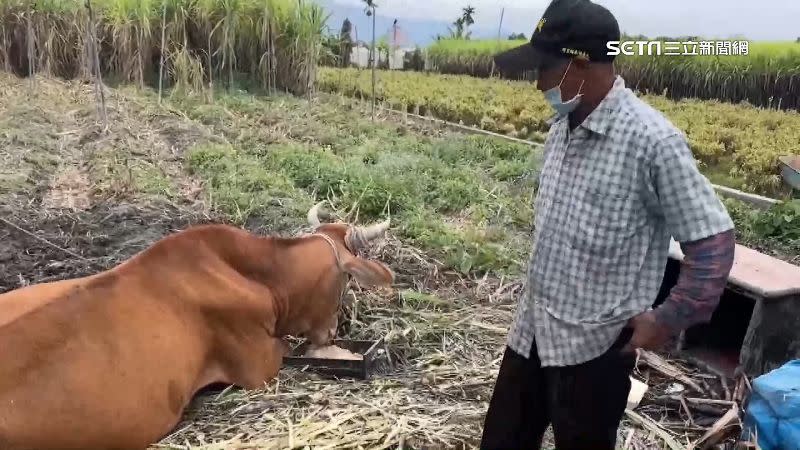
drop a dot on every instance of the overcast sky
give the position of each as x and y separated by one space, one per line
757 20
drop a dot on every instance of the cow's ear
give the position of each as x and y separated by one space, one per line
368 272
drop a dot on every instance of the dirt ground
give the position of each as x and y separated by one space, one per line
77 197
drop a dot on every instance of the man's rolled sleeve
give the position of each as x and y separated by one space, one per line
685 198
704 275
696 218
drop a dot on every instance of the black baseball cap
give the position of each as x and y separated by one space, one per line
567 29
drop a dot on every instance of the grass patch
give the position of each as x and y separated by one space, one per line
28 145
420 301
775 231
464 199
456 196
736 144
241 187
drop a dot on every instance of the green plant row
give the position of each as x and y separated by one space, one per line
735 144
768 76
204 41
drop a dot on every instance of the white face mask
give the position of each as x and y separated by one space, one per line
553 96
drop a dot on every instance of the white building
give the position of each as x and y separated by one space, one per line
397 40
359 57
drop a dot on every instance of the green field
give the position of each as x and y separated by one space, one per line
224 143
736 145
768 76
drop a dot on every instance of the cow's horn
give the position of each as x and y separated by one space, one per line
373 231
358 237
313 214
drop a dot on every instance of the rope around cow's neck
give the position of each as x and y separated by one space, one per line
338 260
333 246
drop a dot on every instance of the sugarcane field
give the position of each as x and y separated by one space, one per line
327 224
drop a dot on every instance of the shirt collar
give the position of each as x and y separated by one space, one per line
601 118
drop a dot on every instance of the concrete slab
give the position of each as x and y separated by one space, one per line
763 275
773 337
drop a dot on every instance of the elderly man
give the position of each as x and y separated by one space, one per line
618 179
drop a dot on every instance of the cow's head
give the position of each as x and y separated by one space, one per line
350 241
346 243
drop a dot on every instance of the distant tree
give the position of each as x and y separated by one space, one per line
670 38
414 60
368 6
345 43
633 37
461 25
798 40
384 51
329 51
458 31
517 36
467 14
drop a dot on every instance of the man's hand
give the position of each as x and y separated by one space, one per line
648 333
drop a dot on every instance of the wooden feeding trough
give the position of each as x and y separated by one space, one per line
755 327
790 170
339 368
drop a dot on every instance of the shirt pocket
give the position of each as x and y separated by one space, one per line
603 219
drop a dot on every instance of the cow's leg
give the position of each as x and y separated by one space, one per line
324 334
278 348
262 365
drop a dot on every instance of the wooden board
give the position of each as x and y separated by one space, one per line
763 275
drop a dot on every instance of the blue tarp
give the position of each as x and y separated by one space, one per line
773 412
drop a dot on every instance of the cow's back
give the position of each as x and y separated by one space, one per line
99 359
112 360
18 302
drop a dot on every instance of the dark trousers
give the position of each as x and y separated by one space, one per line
584 403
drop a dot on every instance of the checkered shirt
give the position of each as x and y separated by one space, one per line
611 193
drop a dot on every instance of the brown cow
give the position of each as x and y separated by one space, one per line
111 360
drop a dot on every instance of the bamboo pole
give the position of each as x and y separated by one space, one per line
499 33
163 46
31 49
373 63
94 55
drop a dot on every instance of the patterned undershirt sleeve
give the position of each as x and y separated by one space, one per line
697 219
703 276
